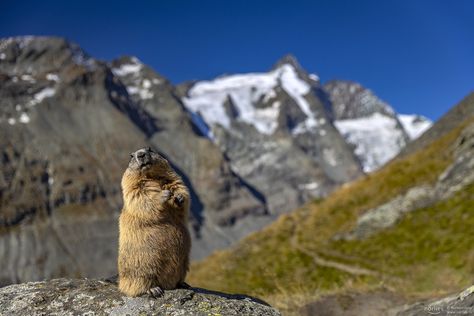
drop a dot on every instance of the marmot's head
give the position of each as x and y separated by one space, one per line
145 162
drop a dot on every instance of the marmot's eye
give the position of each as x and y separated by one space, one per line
131 155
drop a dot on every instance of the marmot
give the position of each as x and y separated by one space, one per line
154 242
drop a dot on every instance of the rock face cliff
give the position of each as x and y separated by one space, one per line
250 147
390 304
457 304
92 297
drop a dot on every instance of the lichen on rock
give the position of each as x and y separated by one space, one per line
95 297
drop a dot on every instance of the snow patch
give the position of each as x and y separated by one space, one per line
11 121
28 78
139 87
414 125
376 138
308 186
313 77
3 56
45 93
146 83
143 93
40 96
24 118
245 91
52 77
127 69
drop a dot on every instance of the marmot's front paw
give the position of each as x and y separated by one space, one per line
179 199
156 292
165 195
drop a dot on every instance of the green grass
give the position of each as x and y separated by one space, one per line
424 245
429 250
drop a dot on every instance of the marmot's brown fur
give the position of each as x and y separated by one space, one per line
154 241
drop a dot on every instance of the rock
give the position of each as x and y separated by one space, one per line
461 172
350 100
464 110
375 303
94 297
388 214
383 302
458 304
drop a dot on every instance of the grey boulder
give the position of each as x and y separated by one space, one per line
95 297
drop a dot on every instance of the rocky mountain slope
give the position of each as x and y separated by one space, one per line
288 102
370 125
250 147
93 297
450 120
276 132
405 228
457 304
390 304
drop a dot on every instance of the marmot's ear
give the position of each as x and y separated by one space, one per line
149 149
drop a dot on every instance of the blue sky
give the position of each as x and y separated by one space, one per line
417 55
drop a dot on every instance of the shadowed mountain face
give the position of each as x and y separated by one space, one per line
250 147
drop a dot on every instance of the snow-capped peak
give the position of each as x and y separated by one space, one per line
376 138
133 67
369 124
208 98
138 84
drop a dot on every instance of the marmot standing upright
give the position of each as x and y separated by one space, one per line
154 241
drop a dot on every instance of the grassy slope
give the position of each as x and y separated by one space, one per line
428 250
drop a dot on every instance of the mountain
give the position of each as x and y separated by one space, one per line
250 147
68 124
371 125
276 132
397 235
